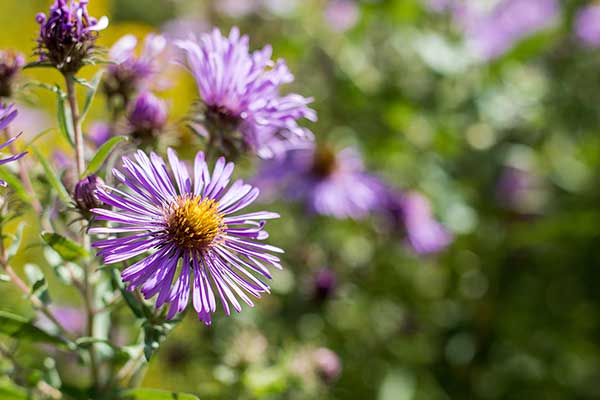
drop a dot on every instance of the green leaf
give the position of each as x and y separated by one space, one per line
15 184
65 121
20 328
9 391
12 250
39 287
52 177
102 154
138 309
92 87
154 335
154 394
66 248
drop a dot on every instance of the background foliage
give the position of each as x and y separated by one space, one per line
510 310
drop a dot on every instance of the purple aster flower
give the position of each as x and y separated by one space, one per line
494 32
68 35
587 25
7 115
11 63
424 234
241 96
324 283
329 183
147 116
342 15
174 217
132 73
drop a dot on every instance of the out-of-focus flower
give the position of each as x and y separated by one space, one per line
31 121
185 27
68 35
147 116
328 364
587 25
342 15
99 133
132 73
424 234
491 31
7 115
178 217
240 94
324 282
11 63
329 183
85 193
73 319
520 190
237 8
248 347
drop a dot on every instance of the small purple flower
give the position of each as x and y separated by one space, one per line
7 115
68 35
174 217
329 183
587 25
85 193
342 15
132 73
240 93
424 234
147 116
11 64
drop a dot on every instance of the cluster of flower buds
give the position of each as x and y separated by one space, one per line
68 35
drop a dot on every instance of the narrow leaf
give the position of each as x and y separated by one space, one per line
15 184
20 328
16 242
65 122
52 177
39 287
154 394
9 391
102 154
92 87
66 248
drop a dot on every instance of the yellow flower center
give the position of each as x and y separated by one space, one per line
194 223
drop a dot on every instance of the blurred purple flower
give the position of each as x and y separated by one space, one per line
68 35
7 115
240 91
147 115
237 8
185 27
329 183
520 191
132 73
99 133
328 364
11 64
176 217
324 283
31 121
71 318
342 15
587 25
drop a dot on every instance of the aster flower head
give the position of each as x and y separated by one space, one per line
242 107
68 35
7 115
131 73
11 63
85 193
329 183
147 116
587 25
174 218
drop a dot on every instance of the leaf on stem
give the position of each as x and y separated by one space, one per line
20 328
53 177
66 248
102 154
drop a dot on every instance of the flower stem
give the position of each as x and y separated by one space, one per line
88 295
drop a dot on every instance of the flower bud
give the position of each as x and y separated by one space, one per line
68 35
147 116
11 63
85 193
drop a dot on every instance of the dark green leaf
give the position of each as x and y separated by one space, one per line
20 328
36 278
92 87
52 177
138 309
154 335
66 248
154 394
102 154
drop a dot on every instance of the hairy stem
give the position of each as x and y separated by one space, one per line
79 149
